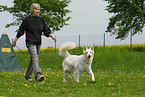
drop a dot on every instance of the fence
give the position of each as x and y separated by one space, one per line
81 40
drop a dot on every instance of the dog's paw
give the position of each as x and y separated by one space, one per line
70 77
93 80
63 80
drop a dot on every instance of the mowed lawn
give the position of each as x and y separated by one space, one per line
119 72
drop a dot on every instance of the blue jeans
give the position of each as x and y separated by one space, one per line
34 61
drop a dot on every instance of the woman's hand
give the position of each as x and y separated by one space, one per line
54 38
14 42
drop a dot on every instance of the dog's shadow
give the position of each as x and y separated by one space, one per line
92 82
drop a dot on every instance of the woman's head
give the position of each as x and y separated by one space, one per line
35 9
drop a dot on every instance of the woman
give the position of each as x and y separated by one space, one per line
33 26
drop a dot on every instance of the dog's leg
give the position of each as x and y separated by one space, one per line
64 76
76 75
91 74
69 76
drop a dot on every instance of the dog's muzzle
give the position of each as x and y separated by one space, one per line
89 56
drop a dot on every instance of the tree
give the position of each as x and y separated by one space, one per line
129 16
53 11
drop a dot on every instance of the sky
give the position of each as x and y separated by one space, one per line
89 19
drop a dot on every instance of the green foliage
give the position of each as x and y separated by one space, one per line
53 11
129 16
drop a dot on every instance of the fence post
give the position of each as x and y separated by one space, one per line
104 39
55 46
79 40
131 40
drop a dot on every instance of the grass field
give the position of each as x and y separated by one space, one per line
119 72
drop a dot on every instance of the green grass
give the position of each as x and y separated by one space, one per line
118 72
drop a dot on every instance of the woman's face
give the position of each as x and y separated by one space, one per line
36 11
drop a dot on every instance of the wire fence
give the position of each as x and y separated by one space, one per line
81 40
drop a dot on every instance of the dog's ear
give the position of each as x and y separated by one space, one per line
92 48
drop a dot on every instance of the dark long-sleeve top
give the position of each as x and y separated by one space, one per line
33 27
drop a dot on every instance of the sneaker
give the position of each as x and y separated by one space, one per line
28 78
40 78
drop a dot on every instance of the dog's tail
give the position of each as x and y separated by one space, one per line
64 47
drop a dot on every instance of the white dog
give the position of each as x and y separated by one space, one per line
77 63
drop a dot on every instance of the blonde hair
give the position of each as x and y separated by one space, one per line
33 6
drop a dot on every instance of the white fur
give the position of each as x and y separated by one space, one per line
77 63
